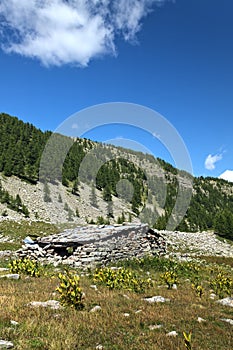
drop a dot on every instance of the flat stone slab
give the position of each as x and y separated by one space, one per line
156 299
11 276
90 234
52 304
4 344
228 320
226 301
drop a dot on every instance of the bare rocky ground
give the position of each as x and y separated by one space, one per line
179 244
190 244
33 197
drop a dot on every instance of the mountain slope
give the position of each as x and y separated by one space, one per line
102 183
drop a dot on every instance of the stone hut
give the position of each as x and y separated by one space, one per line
92 245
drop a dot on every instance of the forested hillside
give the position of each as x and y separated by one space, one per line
150 186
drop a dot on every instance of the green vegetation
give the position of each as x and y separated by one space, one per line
13 203
187 340
17 231
170 278
126 177
70 291
121 278
125 320
211 207
21 146
222 285
26 266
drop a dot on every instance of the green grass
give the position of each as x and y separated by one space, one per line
17 231
41 328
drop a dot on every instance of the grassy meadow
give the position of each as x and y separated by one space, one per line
125 319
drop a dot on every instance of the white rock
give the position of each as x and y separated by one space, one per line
172 334
95 308
53 304
4 344
200 320
93 286
28 240
174 286
126 296
155 326
126 314
212 296
156 299
11 276
226 301
138 311
228 320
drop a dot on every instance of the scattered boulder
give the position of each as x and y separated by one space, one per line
11 276
53 304
93 286
4 344
155 326
228 320
226 301
156 299
95 308
172 334
212 296
138 311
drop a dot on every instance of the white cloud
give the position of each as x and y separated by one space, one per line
227 175
58 32
211 160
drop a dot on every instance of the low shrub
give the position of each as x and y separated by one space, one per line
70 292
222 285
121 279
170 278
26 266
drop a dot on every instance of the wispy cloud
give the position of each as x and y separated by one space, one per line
211 160
58 32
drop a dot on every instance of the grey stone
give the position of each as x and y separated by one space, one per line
172 334
155 326
226 301
53 304
95 244
11 276
4 344
156 299
95 308
228 320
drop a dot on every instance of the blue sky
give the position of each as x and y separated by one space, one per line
175 57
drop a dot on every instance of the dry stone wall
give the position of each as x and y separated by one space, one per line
95 245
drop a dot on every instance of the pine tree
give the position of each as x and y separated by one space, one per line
47 197
93 198
110 210
107 196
